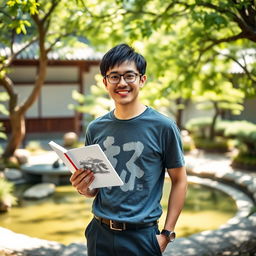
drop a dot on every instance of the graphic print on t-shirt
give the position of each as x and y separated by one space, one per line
133 171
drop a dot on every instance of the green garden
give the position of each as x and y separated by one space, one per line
201 71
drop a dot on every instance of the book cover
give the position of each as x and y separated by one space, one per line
89 157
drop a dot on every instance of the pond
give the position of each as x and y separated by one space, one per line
64 216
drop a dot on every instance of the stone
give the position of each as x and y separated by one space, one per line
5 205
22 155
25 245
39 191
13 162
12 174
76 249
252 187
70 139
254 196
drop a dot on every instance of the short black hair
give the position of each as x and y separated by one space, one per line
118 55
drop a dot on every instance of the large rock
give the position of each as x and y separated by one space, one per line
70 139
39 191
22 155
12 174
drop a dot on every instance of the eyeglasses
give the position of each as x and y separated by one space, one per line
129 77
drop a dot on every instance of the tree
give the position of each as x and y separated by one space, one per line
208 20
185 36
226 98
13 22
47 24
4 111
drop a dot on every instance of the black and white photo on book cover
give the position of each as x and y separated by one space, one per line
89 157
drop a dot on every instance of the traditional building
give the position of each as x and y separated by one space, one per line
68 69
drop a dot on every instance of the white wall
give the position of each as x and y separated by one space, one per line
89 78
55 100
23 92
249 112
23 74
64 74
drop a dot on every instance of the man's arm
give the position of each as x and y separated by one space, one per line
176 201
81 180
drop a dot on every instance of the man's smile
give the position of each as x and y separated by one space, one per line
122 92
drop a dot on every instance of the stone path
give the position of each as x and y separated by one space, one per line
236 237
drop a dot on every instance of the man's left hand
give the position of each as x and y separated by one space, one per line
162 241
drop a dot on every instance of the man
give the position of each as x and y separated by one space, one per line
141 144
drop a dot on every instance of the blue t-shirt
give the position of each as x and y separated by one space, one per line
140 149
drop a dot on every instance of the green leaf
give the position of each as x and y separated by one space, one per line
3 136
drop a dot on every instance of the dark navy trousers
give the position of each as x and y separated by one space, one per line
102 241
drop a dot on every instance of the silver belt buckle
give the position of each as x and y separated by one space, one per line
116 229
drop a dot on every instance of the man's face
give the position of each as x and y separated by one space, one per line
126 90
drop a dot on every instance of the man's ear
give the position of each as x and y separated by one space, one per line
143 80
104 81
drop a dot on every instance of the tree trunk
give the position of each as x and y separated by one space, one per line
18 132
179 113
213 124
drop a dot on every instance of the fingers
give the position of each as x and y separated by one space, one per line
80 175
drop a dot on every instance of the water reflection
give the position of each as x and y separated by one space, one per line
64 216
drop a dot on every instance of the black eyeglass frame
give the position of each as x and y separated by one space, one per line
122 75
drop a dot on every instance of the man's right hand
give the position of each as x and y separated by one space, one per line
81 179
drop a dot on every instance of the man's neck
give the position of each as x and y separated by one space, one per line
126 112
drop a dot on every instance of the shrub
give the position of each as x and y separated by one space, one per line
199 127
218 145
34 146
244 161
245 133
6 197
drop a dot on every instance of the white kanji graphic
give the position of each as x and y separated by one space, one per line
111 150
133 171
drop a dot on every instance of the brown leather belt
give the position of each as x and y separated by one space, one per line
120 226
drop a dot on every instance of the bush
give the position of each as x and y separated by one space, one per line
6 197
245 133
187 141
241 129
199 126
221 127
218 145
34 146
244 161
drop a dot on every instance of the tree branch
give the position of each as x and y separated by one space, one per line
13 97
244 67
55 41
7 84
14 55
54 5
219 41
6 14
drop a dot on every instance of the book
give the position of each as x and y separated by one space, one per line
92 158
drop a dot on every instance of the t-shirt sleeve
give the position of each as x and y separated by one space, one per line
173 151
88 138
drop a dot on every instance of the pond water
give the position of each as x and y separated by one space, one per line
64 216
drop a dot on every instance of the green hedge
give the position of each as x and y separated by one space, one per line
199 127
218 145
243 132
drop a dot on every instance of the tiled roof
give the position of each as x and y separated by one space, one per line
84 52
